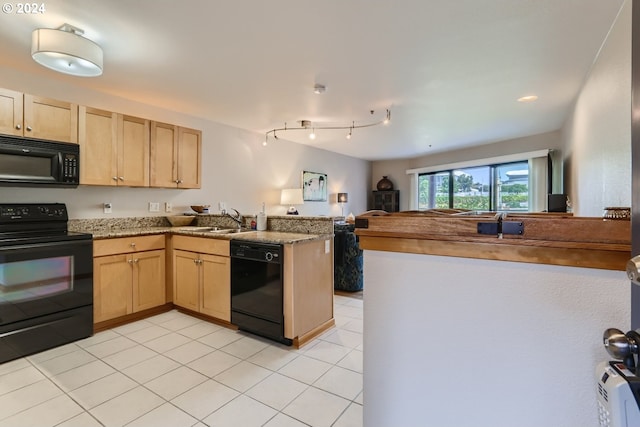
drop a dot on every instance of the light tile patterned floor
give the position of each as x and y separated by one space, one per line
177 371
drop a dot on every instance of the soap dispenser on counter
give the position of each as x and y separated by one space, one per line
261 220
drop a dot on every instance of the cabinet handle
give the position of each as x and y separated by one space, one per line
130 261
195 261
29 129
115 178
133 245
121 178
135 260
180 181
18 126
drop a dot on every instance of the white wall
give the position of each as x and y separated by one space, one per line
396 169
236 167
597 136
453 342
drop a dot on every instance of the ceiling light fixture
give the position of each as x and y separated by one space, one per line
306 124
65 50
318 89
528 98
351 130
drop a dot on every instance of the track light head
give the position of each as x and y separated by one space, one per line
318 89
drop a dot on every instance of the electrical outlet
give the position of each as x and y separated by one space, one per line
107 208
168 207
154 207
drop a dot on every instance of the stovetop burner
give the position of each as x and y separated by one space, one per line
35 223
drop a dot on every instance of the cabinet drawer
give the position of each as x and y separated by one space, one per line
123 245
201 245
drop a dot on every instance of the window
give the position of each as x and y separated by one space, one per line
503 187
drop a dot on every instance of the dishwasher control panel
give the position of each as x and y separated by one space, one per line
265 252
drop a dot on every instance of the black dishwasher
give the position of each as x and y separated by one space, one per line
257 289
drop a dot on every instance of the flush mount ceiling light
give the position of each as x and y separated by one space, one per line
65 50
306 124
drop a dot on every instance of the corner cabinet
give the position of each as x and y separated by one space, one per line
176 156
387 200
129 276
202 276
114 148
38 117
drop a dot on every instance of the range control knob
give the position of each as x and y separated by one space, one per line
268 256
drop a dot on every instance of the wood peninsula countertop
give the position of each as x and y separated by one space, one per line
539 238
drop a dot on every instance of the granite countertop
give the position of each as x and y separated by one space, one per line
277 237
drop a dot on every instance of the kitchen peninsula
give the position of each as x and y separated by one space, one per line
143 266
495 329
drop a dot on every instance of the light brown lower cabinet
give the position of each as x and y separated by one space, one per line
128 276
202 276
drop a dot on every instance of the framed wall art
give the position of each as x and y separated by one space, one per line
314 186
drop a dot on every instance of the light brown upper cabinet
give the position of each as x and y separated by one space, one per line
175 156
114 148
37 117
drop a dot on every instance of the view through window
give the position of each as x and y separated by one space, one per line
503 187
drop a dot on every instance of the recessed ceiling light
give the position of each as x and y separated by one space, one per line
528 98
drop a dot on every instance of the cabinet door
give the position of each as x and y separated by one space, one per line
189 158
216 287
111 287
133 151
186 279
11 104
98 151
163 155
148 279
50 119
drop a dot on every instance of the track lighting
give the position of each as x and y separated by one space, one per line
306 124
318 89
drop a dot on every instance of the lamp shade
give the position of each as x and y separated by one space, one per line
291 196
66 52
343 197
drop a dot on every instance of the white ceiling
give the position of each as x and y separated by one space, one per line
450 71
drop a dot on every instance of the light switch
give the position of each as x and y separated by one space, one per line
154 207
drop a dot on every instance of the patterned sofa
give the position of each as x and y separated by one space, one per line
347 273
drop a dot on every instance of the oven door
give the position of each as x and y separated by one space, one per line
40 279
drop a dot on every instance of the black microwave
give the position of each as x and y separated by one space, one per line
37 162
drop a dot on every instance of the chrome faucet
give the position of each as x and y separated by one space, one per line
237 218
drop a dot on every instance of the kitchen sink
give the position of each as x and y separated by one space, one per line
215 230
194 228
218 230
